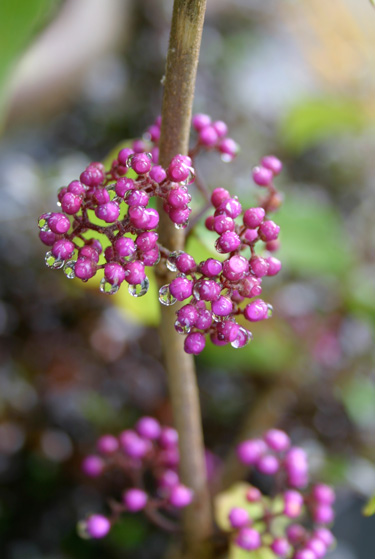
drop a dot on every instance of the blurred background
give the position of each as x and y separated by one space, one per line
290 77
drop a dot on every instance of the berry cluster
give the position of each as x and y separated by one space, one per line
150 452
107 224
215 288
271 525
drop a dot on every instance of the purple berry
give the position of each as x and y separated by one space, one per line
124 246
133 445
158 174
210 267
305 554
274 266
228 147
178 171
178 198
134 272
194 343
249 539
180 496
124 155
114 273
257 310
220 127
295 533
223 223
228 242
123 185
62 249
92 466
222 307
168 437
107 444
293 502
259 266
317 547
180 215
97 526
250 451
325 536
100 195
231 207
280 546
148 428
139 217
204 319
59 223
168 479
108 212
76 187
277 440
227 330
262 176
218 196
200 121
71 203
146 241
250 235
185 263
323 514
181 288
269 231
187 316
89 252
273 163
151 257
140 163
253 495
85 268
207 290
235 268
47 237
268 464
139 146
135 499
323 494
137 198
253 217
239 518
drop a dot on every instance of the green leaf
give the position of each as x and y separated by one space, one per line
313 120
19 20
369 509
313 240
358 396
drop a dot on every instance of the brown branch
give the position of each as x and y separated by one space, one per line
182 61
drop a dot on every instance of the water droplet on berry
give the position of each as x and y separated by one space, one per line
180 329
111 186
196 289
149 155
165 296
53 262
108 288
269 311
217 318
190 178
69 269
140 289
243 338
218 247
43 222
182 225
129 160
171 261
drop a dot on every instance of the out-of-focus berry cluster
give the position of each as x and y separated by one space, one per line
215 288
293 522
147 454
110 211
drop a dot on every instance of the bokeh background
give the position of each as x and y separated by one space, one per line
290 77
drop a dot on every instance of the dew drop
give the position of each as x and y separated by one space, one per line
218 247
190 178
149 155
171 261
180 329
182 225
269 311
108 288
243 338
111 186
43 222
165 296
53 262
140 289
129 160
69 269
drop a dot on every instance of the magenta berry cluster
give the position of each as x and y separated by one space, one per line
149 451
215 289
106 223
293 523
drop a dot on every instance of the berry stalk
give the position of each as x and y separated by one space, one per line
181 67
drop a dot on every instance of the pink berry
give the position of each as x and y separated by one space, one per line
62 249
134 499
323 494
273 163
107 444
262 176
235 268
220 127
97 526
124 246
71 203
180 496
185 263
259 266
187 316
140 163
85 268
250 451
253 495
218 196
274 266
222 307
146 241
59 223
257 310
239 517
157 174
123 185
268 464
148 428
229 148
194 343
228 242
92 466
181 288
168 437
114 273
249 539
47 237
280 546
137 198
277 440
134 272
108 212
124 155
223 223
268 231
210 267
200 121
253 217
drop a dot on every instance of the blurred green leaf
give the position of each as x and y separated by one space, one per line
128 532
313 240
19 21
369 508
358 396
313 120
